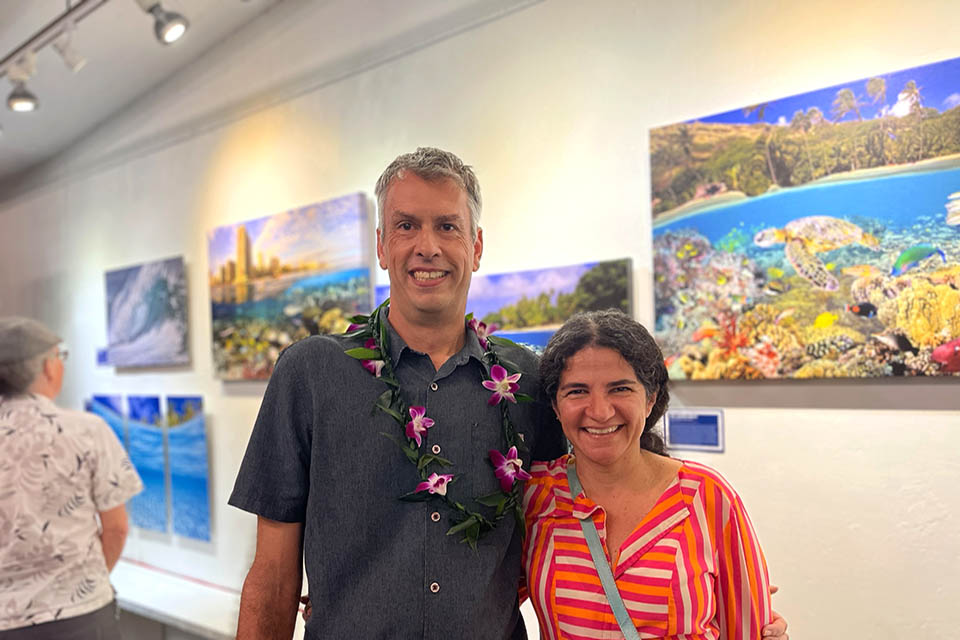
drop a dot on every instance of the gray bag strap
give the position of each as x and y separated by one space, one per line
600 560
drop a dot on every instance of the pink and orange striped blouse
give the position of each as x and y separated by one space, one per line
692 569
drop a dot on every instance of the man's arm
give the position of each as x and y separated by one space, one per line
113 534
271 592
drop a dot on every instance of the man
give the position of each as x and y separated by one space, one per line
60 472
324 474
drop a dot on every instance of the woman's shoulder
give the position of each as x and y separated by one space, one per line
549 471
706 479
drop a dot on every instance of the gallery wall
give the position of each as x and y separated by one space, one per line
856 508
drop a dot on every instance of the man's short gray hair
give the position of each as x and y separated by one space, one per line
432 164
17 377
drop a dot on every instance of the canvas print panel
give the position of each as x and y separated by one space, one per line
148 509
813 236
278 279
189 472
529 306
147 315
110 408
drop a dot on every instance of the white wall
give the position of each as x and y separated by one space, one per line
857 509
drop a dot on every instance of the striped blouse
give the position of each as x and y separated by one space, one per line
691 570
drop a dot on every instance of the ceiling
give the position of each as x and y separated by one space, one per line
124 60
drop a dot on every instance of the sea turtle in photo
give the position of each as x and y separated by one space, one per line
806 237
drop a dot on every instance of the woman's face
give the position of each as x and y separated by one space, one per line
602 406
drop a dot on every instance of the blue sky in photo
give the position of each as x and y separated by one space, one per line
939 85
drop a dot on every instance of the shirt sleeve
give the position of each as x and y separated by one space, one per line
550 443
743 585
274 476
115 480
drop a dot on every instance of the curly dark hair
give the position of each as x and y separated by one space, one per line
618 331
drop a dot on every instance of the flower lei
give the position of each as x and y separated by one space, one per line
502 381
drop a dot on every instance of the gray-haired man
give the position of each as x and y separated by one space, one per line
60 471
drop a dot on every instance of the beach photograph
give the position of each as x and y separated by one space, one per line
529 306
281 278
814 236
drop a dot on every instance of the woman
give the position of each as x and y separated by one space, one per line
684 556
64 480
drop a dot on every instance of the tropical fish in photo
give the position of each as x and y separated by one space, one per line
830 266
806 237
825 319
895 342
862 271
775 287
775 272
783 315
721 279
953 213
948 355
913 256
865 309
707 330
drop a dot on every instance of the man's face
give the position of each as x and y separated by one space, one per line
426 246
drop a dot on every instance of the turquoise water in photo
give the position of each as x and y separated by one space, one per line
909 203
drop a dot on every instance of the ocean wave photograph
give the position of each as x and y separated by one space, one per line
147 315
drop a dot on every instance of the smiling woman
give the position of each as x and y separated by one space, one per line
670 540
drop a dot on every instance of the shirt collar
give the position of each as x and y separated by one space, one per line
471 344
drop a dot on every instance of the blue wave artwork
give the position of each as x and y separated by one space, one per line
189 471
110 408
148 509
147 315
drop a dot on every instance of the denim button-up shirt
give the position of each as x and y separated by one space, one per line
379 567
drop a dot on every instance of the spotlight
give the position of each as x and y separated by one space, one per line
64 46
21 100
168 25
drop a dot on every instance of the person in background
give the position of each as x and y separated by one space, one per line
672 538
64 481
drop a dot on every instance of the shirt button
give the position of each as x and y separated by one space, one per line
436 449
434 587
433 386
435 516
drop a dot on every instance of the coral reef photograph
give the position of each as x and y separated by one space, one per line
278 279
815 251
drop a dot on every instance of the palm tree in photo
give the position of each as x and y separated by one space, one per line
877 89
801 122
911 94
846 102
760 109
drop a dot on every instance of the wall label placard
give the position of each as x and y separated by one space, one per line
695 428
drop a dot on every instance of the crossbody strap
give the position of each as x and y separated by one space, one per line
600 561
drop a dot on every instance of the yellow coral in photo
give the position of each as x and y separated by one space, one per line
929 314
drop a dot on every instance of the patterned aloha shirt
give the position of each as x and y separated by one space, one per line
58 469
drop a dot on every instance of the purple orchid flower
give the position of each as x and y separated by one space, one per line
508 468
482 330
353 327
436 483
419 424
373 366
502 385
